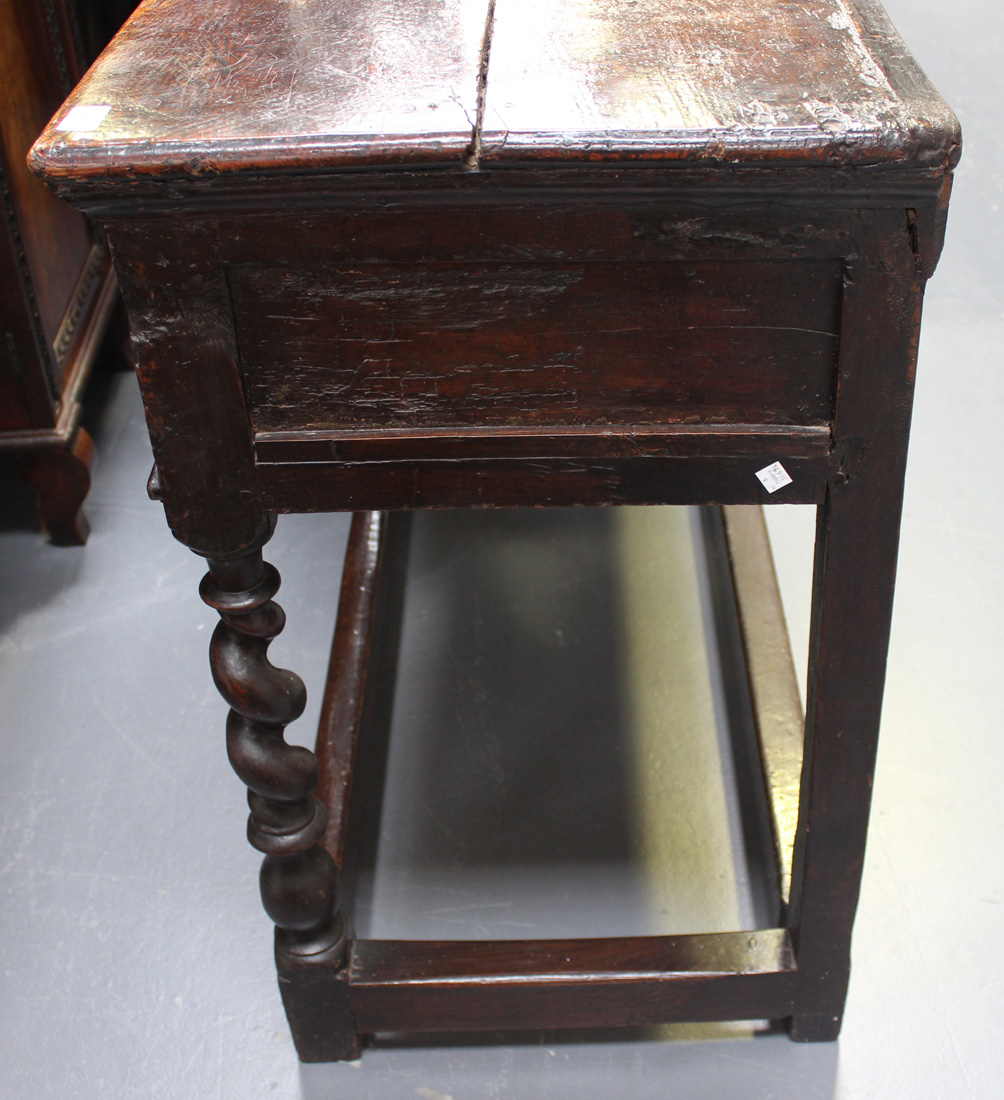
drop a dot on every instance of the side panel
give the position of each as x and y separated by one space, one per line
475 344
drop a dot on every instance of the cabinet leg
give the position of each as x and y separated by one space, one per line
62 479
315 994
856 543
814 1029
298 877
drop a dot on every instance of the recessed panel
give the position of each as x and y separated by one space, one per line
455 344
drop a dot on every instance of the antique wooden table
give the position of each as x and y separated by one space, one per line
388 255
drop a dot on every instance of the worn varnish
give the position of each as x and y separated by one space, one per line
199 90
57 289
492 253
719 80
586 343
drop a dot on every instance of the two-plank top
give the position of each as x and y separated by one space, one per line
250 85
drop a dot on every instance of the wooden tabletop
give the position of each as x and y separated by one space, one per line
196 89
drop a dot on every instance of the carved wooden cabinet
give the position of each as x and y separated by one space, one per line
56 283
461 253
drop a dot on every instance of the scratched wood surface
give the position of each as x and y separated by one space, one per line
384 345
815 80
197 87
242 85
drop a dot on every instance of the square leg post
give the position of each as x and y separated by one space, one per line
857 539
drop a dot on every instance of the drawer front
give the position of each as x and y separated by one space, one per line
374 346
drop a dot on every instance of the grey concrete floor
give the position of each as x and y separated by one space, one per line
135 958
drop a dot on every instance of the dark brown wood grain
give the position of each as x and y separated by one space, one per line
591 330
199 91
348 667
431 345
857 538
62 478
539 441
186 357
385 256
484 985
538 482
827 81
55 239
379 81
56 285
298 876
351 757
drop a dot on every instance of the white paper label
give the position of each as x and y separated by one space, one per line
773 477
83 118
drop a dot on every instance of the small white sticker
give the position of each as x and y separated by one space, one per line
83 118
773 477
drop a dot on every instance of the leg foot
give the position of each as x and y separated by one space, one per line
315 994
813 1029
62 479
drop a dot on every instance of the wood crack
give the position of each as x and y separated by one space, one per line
472 155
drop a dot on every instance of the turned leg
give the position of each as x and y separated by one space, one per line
62 479
298 877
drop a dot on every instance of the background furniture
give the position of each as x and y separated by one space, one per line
56 285
645 292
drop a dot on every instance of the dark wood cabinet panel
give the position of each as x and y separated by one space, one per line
537 344
56 283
